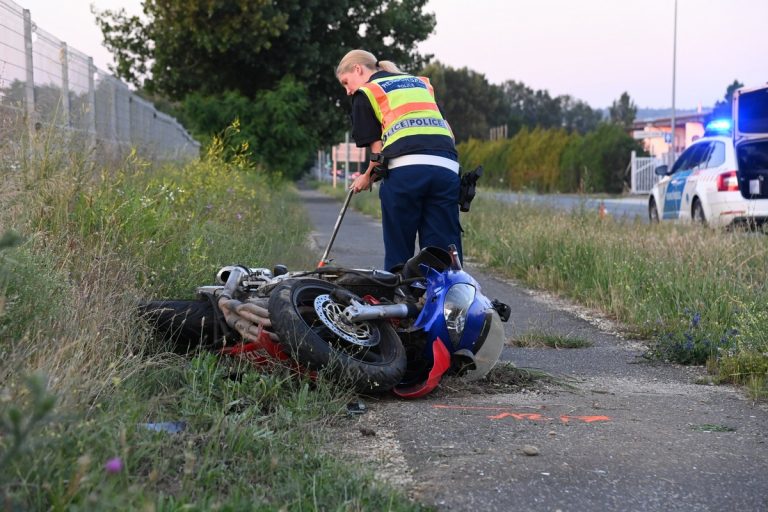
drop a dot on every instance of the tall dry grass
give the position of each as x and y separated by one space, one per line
80 374
697 294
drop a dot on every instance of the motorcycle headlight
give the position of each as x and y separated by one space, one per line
455 308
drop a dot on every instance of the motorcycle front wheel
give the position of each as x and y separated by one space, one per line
312 328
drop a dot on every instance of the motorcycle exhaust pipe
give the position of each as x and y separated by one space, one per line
234 277
357 312
223 274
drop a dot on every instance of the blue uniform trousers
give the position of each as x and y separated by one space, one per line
419 199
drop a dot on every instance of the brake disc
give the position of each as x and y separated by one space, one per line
331 313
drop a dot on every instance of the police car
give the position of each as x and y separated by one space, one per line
722 178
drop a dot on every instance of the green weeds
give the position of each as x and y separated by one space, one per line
698 294
92 242
18 421
244 440
537 339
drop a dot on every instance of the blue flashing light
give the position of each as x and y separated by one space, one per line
718 127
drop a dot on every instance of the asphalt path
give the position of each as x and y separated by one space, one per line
625 435
626 208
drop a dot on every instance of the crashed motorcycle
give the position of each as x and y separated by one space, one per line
376 330
373 329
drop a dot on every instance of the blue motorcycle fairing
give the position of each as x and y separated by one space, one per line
432 316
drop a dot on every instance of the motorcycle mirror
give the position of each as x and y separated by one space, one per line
455 261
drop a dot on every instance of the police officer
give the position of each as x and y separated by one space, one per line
395 114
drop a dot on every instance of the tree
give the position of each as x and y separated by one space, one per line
623 111
578 116
533 109
212 46
597 162
723 108
470 104
270 124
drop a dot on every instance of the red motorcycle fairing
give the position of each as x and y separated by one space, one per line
442 362
264 352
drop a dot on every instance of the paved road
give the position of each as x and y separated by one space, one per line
628 208
629 435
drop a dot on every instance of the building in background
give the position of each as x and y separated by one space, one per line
656 134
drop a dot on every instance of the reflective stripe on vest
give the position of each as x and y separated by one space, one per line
405 105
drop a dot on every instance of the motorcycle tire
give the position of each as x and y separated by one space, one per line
369 354
185 324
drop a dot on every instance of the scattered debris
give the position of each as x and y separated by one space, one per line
171 427
356 407
530 450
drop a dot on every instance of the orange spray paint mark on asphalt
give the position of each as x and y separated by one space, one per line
473 408
504 412
585 419
519 416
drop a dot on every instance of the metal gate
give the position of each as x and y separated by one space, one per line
643 175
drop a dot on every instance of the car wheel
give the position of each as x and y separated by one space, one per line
697 213
653 212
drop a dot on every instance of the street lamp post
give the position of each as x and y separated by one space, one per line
674 60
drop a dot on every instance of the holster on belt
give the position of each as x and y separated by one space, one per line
380 172
468 186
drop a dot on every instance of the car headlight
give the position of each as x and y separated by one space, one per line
455 308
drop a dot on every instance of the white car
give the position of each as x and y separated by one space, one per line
720 180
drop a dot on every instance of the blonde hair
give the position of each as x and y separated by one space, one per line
366 59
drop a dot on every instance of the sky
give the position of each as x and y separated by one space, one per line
593 50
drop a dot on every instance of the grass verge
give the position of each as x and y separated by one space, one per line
539 339
85 389
698 294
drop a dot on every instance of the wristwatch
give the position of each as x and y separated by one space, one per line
377 158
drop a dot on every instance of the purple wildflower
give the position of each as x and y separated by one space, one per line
696 319
114 465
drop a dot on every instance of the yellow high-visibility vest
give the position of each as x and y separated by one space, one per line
405 105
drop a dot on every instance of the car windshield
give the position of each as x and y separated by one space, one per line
753 156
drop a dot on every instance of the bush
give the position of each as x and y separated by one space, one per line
553 160
273 125
597 162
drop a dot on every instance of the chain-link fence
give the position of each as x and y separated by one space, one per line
46 84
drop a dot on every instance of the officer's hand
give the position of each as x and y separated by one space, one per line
362 182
